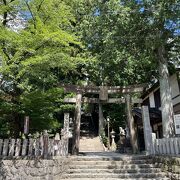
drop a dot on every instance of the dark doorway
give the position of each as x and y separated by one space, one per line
141 142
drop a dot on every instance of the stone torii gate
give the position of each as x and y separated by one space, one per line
103 92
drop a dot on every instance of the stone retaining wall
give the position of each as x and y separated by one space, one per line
36 169
169 164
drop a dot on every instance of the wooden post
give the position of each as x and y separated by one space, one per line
176 146
5 147
160 146
11 147
26 125
1 146
18 147
51 147
24 147
41 145
172 146
37 147
164 146
30 147
76 136
131 123
45 144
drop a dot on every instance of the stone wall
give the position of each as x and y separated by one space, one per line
169 164
34 169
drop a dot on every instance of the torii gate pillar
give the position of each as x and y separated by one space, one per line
101 119
103 97
131 124
77 123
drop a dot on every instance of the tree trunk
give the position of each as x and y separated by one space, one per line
165 93
15 125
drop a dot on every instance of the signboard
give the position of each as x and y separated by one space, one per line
177 123
103 94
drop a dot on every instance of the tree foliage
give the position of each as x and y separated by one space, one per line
124 37
35 58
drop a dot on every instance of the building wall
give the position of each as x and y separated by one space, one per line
177 109
174 86
153 100
154 96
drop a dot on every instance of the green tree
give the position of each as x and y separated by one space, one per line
153 30
35 58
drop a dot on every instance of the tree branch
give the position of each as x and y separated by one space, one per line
46 19
5 14
34 19
39 7
5 52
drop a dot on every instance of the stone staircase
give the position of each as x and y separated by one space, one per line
90 144
94 163
89 139
112 166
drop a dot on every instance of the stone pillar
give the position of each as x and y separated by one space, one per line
66 122
131 124
153 144
147 129
101 119
66 133
76 133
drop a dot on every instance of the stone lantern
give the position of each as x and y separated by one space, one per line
113 144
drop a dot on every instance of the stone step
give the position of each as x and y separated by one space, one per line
115 171
113 175
100 162
118 178
109 158
102 166
112 166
